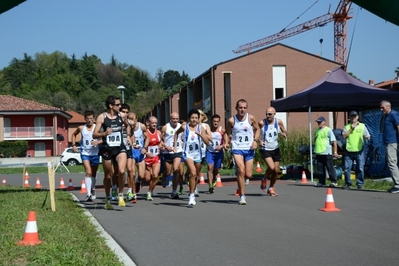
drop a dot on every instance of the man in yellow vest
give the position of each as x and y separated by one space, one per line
325 149
355 134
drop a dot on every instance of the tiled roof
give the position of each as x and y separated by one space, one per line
12 103
76 117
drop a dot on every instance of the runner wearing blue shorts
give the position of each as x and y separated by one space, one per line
244 130
214 152
88 153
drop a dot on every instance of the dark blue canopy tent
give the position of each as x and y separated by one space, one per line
336 91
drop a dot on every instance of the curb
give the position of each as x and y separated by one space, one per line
113 245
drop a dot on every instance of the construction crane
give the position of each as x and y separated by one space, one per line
340 17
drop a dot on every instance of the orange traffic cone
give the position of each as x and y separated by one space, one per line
202 180
304 179
4 182
218 181
70 186
26 184
258 169
237 192
31 236
83 189
38 185
330 205
26 175
62 184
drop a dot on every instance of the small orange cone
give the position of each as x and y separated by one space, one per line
26 175
258 169
330 205
26 184
202 180
83 189
237 192
70 186
31 236
4 182
38 185
218 181
62 184
304 179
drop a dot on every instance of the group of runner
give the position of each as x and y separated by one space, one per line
126 144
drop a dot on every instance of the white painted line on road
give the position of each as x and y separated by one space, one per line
113 245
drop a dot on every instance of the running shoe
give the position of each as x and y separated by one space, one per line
129 196
242 201
263 184
271 192
114 194
333 184
149 197
164 182
134 200
211 190
93 194
214 182
247 181
108 205
319 185
89 198
174 195
138 187
237 192
192 201
180 191
121 201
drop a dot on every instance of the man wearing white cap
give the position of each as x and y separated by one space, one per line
325 148
355 134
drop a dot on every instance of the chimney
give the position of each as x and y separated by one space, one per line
371 82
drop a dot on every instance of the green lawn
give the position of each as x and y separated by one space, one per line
67 235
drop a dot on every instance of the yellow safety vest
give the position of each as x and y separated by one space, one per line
354 142
321 140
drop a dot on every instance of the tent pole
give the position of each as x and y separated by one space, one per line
310 143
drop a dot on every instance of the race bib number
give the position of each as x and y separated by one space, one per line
154 150
87 144
243 139
114 139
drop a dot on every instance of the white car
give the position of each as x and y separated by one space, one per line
70 158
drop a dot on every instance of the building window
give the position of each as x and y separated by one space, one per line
279 82
7 127
39 123
40 149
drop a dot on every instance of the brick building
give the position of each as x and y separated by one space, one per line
261 76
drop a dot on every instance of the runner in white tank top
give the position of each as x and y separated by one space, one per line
244 132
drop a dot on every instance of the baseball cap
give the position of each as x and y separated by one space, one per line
320 119
353 113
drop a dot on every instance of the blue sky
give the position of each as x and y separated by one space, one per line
189 35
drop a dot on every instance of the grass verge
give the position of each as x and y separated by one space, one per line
69 238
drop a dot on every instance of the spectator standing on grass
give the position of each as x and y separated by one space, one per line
325 150
269 148
356 134
390 129
244 130
88 153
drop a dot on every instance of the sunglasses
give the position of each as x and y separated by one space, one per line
269 114
117 104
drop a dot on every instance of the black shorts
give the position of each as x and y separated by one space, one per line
110 153
275 154
169 157
129 154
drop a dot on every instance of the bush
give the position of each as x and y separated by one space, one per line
13 148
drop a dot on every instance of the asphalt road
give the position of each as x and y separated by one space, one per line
284 230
